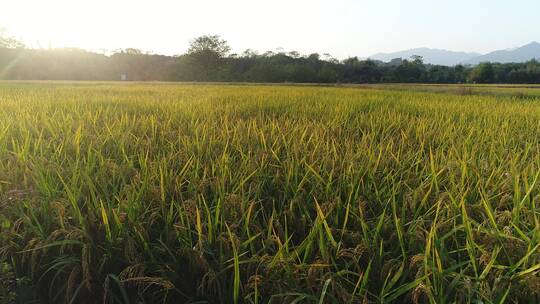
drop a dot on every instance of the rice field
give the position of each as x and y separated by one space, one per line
164 193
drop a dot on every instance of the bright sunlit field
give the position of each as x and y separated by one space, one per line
162 193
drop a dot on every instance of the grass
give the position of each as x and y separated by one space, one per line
161 193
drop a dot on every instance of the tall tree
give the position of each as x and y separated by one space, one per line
9 42
209 43
483 73
206 54
417 59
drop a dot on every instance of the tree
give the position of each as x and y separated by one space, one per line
139 65
410 71
249 53
209 43
294 54
205 56
132 51
8 41
483 73
417 59
351 61
314 57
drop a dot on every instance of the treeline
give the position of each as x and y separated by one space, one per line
209 59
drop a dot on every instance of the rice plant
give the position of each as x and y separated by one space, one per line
161 193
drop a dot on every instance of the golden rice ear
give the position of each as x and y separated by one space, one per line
57 234
209 283
531 282
254 282
415 259
133 271
17 224
419 291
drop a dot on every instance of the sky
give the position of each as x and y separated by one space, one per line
341 28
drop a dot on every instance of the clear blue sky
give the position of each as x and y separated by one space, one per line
340 27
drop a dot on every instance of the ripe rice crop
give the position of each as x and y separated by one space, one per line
161 193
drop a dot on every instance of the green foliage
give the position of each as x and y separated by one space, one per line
7 292
209 43
11 286
159 193
9 42
483 73
208 60
204 58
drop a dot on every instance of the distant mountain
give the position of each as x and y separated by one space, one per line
432 56
521 54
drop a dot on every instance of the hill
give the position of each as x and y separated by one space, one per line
431 56
521 54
